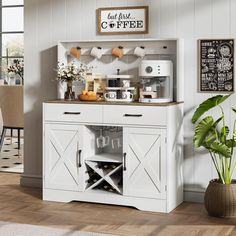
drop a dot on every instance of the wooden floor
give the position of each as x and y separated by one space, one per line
24 205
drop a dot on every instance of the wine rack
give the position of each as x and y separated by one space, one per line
104 176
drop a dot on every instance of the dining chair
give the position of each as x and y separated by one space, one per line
11 105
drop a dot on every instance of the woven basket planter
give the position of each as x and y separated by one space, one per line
220 199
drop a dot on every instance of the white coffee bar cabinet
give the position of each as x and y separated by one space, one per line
140 161
147 171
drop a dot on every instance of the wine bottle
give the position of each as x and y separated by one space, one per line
113 166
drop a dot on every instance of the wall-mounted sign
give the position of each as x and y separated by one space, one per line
216 65
123 20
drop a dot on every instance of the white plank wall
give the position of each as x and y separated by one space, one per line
47 21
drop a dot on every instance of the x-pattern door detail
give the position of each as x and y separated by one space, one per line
145 174
62 150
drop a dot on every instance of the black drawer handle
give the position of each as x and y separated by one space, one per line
133 115
71 113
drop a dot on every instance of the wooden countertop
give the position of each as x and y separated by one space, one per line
113 103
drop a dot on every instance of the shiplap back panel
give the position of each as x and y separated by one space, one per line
47 21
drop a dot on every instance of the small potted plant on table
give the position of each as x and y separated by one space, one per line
70 73
215 136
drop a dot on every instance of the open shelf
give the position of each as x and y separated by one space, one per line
105 176
106 157
104 163
119 76
120 88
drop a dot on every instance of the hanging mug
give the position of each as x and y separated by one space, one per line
118 52
75 52
96 52
115 143
140 51
102 141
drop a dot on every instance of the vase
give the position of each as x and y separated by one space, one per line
18 80
61 89
220 199
12 81
69 94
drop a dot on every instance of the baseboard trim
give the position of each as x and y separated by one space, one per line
33 181
194 196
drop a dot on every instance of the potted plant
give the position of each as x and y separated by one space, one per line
215 136
70 73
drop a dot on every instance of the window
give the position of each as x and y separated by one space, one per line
11 33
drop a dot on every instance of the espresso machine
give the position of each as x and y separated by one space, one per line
156 81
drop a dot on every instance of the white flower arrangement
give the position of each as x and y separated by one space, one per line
17 68
72 72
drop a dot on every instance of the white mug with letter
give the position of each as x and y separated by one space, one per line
96 52
126 83
127 95
110 95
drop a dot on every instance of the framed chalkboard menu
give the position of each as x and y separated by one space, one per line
216 65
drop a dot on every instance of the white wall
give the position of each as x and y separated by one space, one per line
47 21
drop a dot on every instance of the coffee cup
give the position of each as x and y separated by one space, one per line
148 89
96 52
126 83
127 95
140 51
110 95
75 52
118 52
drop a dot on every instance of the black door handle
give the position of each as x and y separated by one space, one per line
125 161
71 113
79 164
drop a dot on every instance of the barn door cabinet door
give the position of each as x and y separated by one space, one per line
144 173
63 157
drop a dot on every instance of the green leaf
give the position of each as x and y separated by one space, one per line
224 133
213 134
230 143
234 109
202 130
207 105
211 137
220 149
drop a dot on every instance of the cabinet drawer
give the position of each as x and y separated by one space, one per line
139 115
72 112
